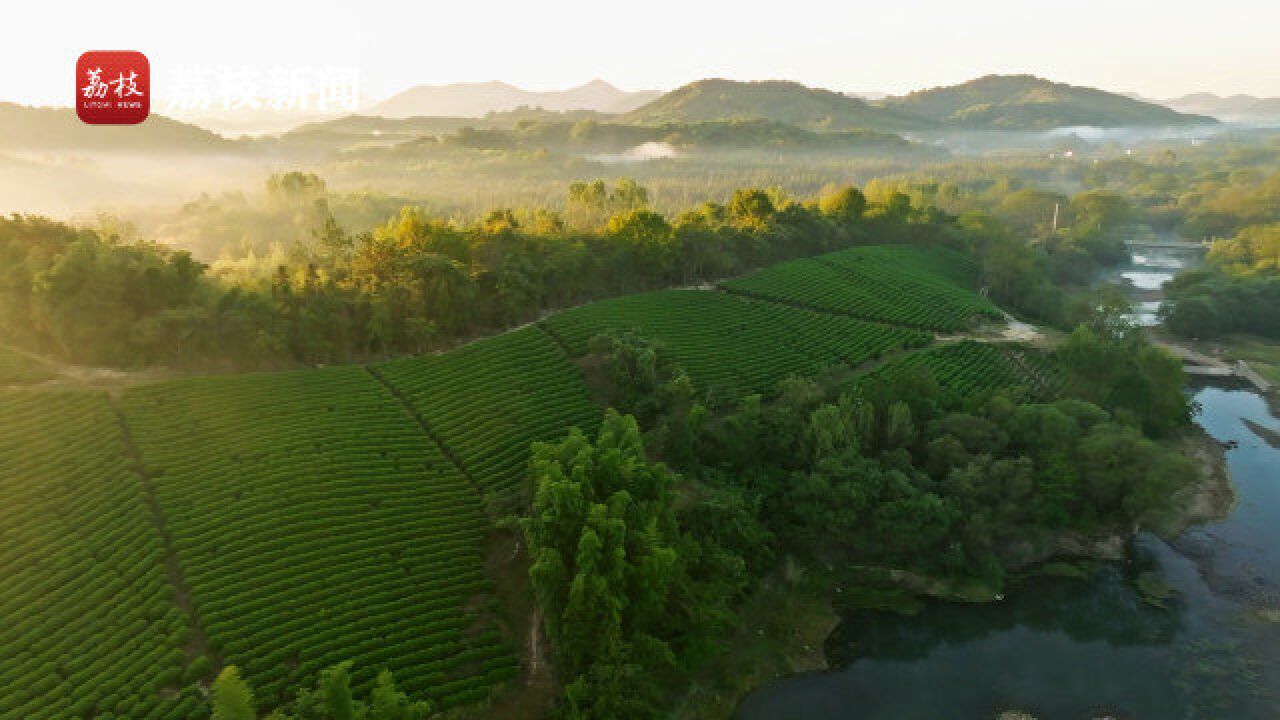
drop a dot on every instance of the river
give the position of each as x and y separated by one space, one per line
1075 649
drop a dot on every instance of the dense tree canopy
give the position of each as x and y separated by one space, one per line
413 283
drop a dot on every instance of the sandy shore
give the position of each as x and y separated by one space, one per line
1209 500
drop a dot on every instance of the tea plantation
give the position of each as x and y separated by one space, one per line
487 401
733 344
316 523
88 625
285 522
969 367
926 288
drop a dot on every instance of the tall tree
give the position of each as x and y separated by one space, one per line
231 697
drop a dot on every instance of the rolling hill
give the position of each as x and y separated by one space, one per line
35 129
284 522
479 99
776 100
1026 102
1245 109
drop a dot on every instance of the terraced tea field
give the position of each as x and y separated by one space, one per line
286 522
316 523
87 619
732 344
970 367
489 400
926 288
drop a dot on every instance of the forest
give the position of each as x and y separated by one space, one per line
595 401
416 283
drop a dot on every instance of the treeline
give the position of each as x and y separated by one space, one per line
1212 190
591 134
1234 200
1237 292
639 567
418 283
231 698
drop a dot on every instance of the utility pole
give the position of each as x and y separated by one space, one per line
1055 218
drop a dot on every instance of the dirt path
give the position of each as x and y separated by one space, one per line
72 375
197 644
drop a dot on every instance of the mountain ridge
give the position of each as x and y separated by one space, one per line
25 128
477 99
784 101
1229 108
1030 103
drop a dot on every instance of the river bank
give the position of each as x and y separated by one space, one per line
1180 628
1209 500
1065 556
787 625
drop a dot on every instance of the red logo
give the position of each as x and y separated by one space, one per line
113 87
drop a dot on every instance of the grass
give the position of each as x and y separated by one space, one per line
1261 354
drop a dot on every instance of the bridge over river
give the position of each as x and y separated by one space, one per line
1164 244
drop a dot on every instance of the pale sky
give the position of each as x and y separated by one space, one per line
1157 48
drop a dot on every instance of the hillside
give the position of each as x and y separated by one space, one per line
776 100
1245 109
35 129
572 138
719 338
1026 102
355 131
479 99
927 289
191 522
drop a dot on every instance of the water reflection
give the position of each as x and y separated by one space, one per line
1147 280
1071 649
1144 313
1146 274
1167 261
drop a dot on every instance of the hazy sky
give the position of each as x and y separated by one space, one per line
1159 49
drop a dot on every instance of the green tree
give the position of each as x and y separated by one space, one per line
231 697
602 533
846 204
751 208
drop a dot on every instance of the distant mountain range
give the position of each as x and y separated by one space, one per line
775 100
1026 102
994 103
478 99
1234 108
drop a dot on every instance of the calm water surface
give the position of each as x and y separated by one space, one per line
1076 649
